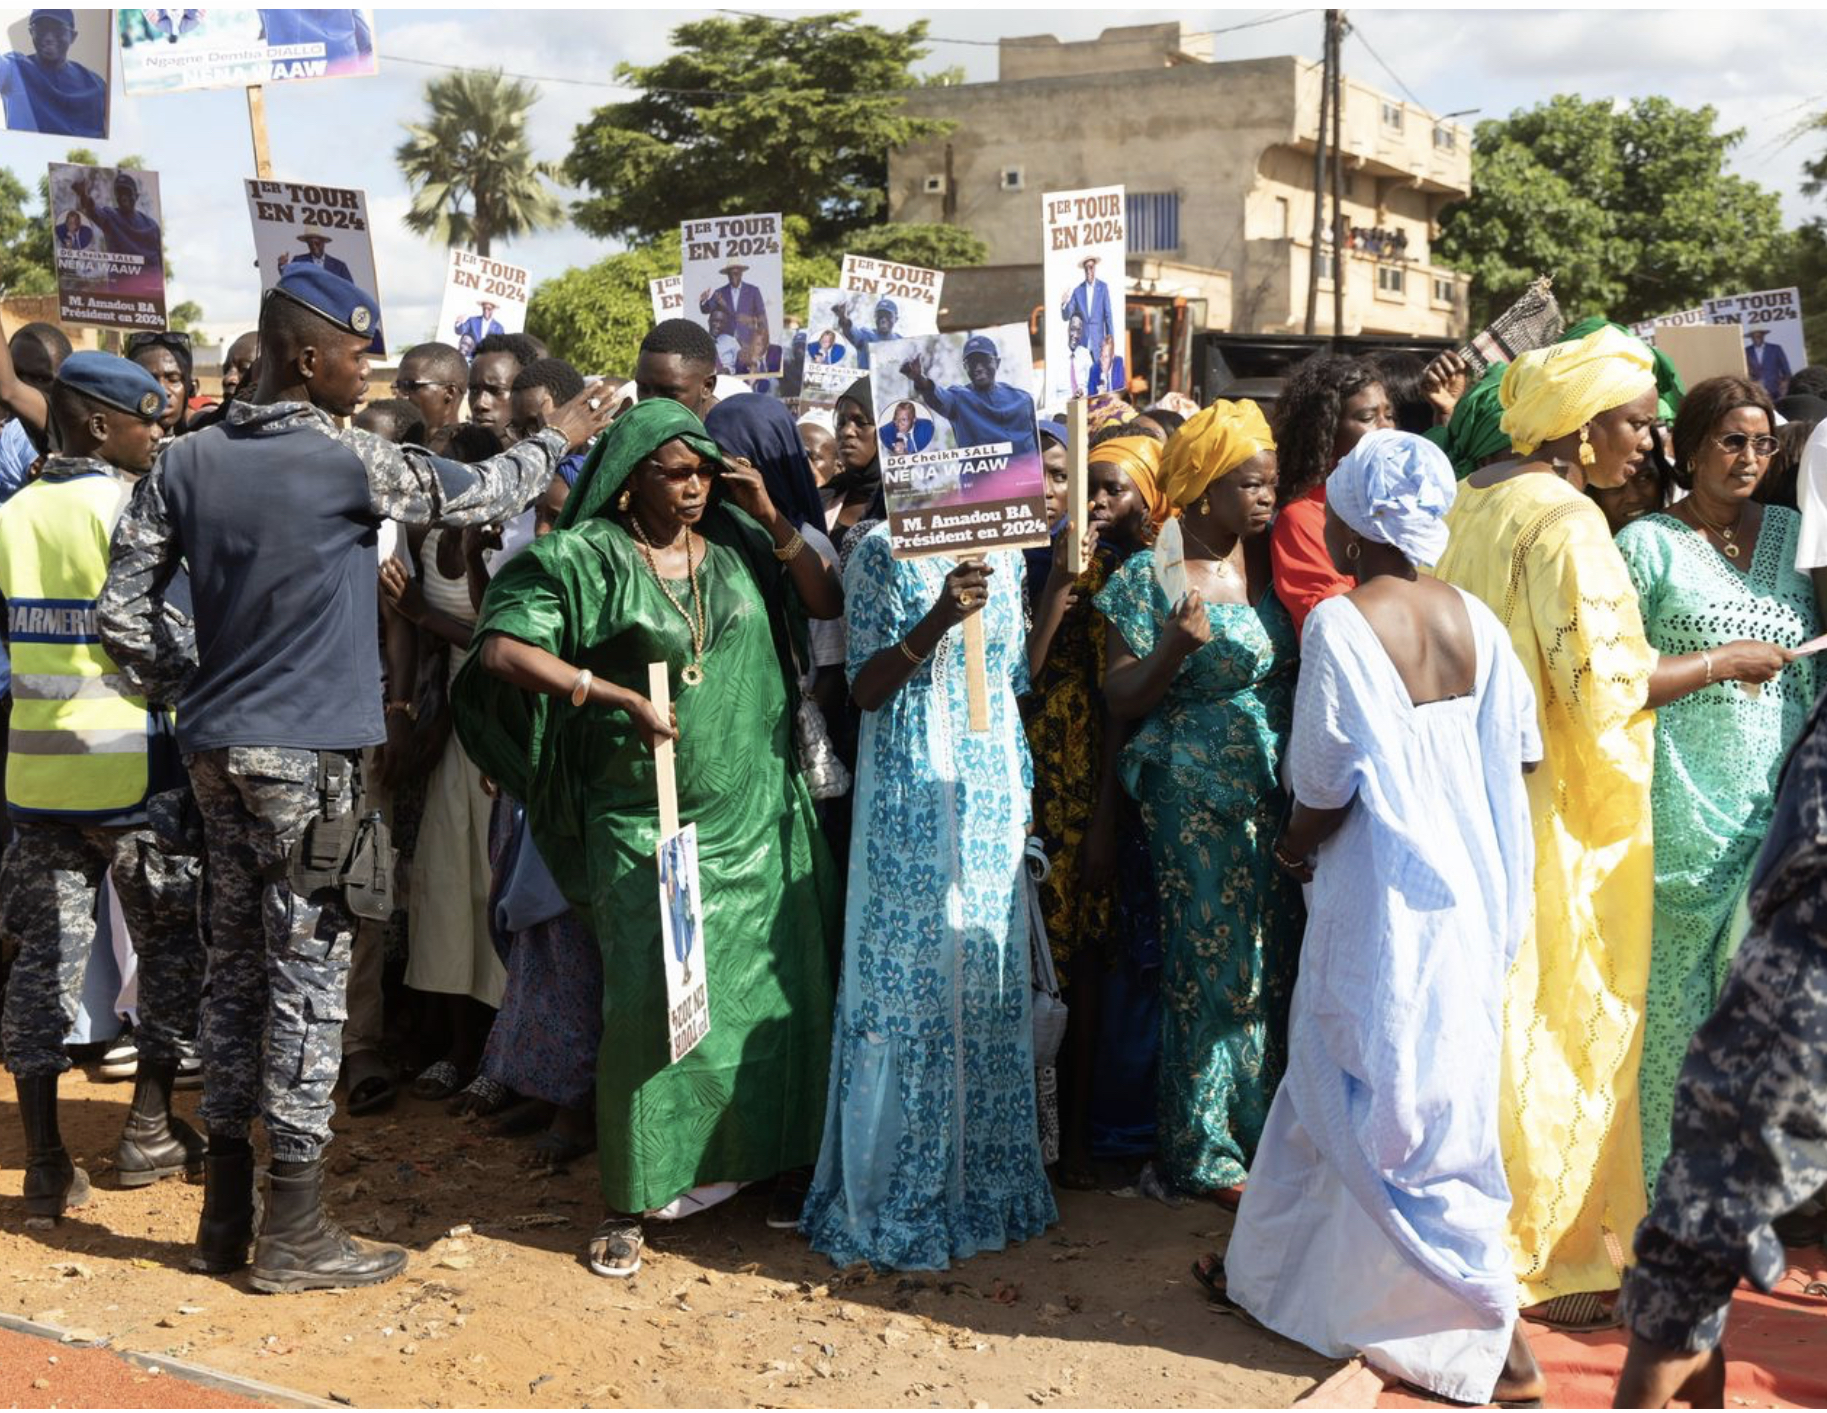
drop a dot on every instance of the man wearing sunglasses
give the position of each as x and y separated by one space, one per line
433 377
166 355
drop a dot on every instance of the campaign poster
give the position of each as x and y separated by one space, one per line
1083 249
961 466
832 362
668 296
54 73
167 51
296 223
904 302
481 297
682 942
1772 323
107 232
732 286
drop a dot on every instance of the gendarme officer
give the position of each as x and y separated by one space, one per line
275 511
84 756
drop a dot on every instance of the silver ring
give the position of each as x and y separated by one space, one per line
594 403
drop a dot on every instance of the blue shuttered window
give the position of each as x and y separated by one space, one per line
1153 219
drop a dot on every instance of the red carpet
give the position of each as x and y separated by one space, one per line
1776 1350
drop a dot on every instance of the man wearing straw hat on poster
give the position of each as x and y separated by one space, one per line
746 309
1091 302
316 253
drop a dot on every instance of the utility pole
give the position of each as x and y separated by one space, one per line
1319 183
1335 24
948 207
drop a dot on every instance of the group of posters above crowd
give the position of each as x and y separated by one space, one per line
1769 322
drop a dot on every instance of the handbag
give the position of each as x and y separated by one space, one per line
825 775
1049 1009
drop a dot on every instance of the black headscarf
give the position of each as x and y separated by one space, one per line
761 430
860 478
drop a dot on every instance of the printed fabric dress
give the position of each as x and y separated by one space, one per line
1375 1215
1718 753
1206 768
743 1105
1540 556
931 1149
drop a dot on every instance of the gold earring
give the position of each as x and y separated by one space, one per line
1205 505
1587 455
624 500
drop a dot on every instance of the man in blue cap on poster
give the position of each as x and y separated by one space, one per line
982 410
275 510
886 312
127 229
47 91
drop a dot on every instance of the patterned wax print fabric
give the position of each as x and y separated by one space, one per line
743 1105
1206 767
1540 556
1718 753
1381 1156
932 1148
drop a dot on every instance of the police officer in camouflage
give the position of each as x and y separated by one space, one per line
1750 1122
275 511
85 753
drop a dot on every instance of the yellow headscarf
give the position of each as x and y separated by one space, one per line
1552 391
1210 445
1140 459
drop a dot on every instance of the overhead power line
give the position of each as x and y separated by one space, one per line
1369 49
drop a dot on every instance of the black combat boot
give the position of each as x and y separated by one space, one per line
300 1248
53 1183
227 1227
155 1145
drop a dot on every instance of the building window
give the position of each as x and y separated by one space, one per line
1443 291
1445 139
1392 115
1391 279
1153 219
1010 179
1279 219
1328 265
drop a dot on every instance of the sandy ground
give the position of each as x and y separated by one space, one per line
726 1313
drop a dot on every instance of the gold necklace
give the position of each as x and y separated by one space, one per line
1729 533
693 673
1221 563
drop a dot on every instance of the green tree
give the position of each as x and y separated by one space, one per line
181 318
596 317
471 169
753 114
25 266
935 247
1629 207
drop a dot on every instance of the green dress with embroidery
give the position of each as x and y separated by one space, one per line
1206 768
1718 753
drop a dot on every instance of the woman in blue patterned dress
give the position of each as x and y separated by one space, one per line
931 1149
1211 678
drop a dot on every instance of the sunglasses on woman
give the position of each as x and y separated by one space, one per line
1735 442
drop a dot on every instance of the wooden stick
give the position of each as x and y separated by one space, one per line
976 667
256 118
659 692
1078 455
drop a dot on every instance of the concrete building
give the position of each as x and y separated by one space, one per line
1216 159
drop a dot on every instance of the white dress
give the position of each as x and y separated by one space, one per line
1373 1220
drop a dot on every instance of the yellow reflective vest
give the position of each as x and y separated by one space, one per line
77 745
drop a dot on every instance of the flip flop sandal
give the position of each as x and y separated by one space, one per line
785 1206
481 1098
1430 1395
1584 1313
1215 1288
437 1082
621 1240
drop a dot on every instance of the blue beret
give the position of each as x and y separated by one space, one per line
67 18
118 382
982 343
886 303
1056 430
343 302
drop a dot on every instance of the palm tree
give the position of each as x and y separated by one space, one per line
471 169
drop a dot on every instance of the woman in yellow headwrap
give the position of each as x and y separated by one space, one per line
1081 815
1526 541
1210 681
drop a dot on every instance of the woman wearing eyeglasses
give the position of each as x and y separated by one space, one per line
1724 605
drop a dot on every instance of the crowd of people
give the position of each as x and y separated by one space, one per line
1397 802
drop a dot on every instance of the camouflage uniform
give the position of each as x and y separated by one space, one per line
50 882
1750 1123
278 963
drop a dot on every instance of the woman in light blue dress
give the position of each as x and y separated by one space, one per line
931 1148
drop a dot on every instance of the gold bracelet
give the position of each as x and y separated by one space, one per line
917 659
790 550
1706 659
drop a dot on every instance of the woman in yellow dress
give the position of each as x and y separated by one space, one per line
1539 553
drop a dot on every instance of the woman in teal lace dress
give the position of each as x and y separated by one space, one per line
1212 680
1721 600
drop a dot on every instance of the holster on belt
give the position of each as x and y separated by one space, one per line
344 847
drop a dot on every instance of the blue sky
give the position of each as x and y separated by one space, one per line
1758 67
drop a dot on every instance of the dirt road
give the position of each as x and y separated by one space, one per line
726 1313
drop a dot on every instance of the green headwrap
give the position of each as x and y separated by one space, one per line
1475 431
1669 388
633 437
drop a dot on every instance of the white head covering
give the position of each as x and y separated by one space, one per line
819 417
1395 488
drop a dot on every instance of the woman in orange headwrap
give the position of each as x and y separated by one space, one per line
1210 679
1080 808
